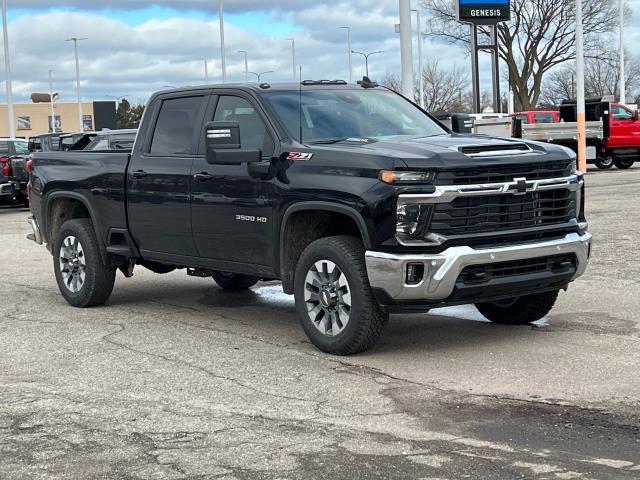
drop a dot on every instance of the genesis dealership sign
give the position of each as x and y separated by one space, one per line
483 12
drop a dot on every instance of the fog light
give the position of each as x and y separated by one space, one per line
415 273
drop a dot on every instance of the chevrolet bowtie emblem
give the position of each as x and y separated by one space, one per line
520 186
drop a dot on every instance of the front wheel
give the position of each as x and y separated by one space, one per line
623 164
604 163
519 310
334 301
83 279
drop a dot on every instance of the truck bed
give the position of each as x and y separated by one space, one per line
554 132
98 177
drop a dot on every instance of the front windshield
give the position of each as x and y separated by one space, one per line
336 115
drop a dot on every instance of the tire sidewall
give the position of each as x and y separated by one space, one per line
92 263
314 253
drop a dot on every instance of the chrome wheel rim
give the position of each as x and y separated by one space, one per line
327 297
72 264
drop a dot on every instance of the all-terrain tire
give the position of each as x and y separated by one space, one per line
521 310
93 282
342 262
234 281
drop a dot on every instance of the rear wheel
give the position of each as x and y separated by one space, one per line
519 310
604 163
83 279
334 301
623 164
234 281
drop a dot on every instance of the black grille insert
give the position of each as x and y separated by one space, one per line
504 173
491 213
483 273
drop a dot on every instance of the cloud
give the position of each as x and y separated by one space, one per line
120 58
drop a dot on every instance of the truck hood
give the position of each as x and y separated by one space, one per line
453 151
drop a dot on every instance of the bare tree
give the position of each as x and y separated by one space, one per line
540 36
602 77
445 91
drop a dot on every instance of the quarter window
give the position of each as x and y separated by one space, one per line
175 126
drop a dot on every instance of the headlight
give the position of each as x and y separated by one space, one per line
406 177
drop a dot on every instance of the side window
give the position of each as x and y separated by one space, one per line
620 113
21 148
4 148
174 130
253 132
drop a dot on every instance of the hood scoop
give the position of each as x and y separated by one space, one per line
495 149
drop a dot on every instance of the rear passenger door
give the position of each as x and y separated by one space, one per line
232 220
159 178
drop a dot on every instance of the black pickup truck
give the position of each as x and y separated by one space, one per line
357 200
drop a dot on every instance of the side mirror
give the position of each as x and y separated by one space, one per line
636 115
223 145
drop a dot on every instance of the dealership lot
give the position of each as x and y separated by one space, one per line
175 378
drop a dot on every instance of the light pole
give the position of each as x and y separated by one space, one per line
366 58
580 107
623 87
51 100
406 53
7 66
206 71
420 70
222 49
349 50
293 55
259 75
75 41
246 65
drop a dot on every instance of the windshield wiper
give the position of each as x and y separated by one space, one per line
330 141
340 140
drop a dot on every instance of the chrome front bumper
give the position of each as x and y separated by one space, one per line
36 236
387 271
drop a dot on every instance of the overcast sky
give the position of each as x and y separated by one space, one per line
135 47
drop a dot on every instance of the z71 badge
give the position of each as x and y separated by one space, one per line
299 156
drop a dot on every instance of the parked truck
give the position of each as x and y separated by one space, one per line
358 201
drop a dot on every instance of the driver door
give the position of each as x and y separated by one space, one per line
231 218
625 129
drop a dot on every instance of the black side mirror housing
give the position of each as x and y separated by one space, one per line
224 147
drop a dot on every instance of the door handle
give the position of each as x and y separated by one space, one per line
202 177
139 174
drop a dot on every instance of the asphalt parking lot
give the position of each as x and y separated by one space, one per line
176 379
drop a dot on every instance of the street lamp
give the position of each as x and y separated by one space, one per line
348 29
246 65
75 41
366 58
259 75
206 71
51 100
7 65
420 71
222 50
293 54
118 99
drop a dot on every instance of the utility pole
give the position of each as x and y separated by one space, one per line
7 66
246 65
349 50
293 55
75 41
206 71
259 75
223 58
406 53
53 111
580 107
420 68
623 87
